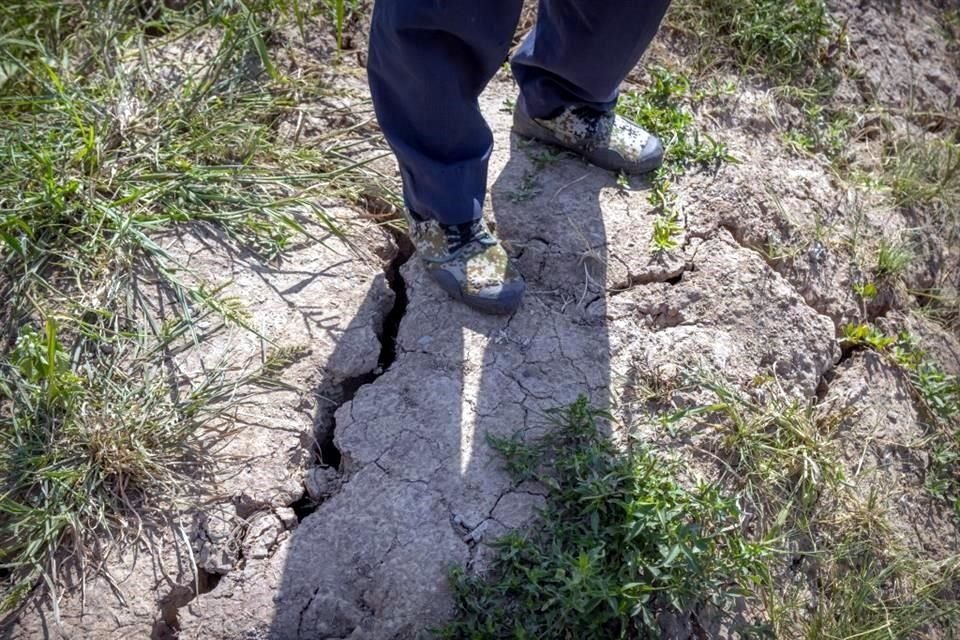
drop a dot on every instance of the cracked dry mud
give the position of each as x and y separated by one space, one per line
399 388
421 490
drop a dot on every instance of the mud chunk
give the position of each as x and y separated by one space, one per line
321 482
215 539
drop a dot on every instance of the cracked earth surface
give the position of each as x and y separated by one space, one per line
420 489
356 541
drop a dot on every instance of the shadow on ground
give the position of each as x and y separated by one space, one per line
422 489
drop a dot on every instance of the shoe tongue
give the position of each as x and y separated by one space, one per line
458 235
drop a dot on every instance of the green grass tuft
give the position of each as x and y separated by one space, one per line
93 439
621 542
893 259
792 42
121 124
840 570
925 173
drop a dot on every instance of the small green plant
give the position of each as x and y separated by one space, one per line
939 390
857 581
936 391
620 542
799 140
339 13
951 24
666 233
923 176
542 156
893 258
823 130
528 189
867 585
925 173
88 440
667 229
782 450
665 108
866 335
866 290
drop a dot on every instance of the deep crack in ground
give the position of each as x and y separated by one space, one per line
391 322
326 453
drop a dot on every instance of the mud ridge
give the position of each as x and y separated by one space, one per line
672 277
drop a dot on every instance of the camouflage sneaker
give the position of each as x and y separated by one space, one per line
469 263
605 139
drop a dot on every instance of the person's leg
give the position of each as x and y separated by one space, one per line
581 50
428 62
569 69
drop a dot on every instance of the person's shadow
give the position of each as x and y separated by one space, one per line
422 488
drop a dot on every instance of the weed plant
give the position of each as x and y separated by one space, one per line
926 173
665 108
798 46
339 12
865 584
782 451
893 258
621 542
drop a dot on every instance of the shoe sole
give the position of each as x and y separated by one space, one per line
506 302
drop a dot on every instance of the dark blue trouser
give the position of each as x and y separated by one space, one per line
430 59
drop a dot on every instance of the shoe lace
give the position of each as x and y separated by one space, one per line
463 235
